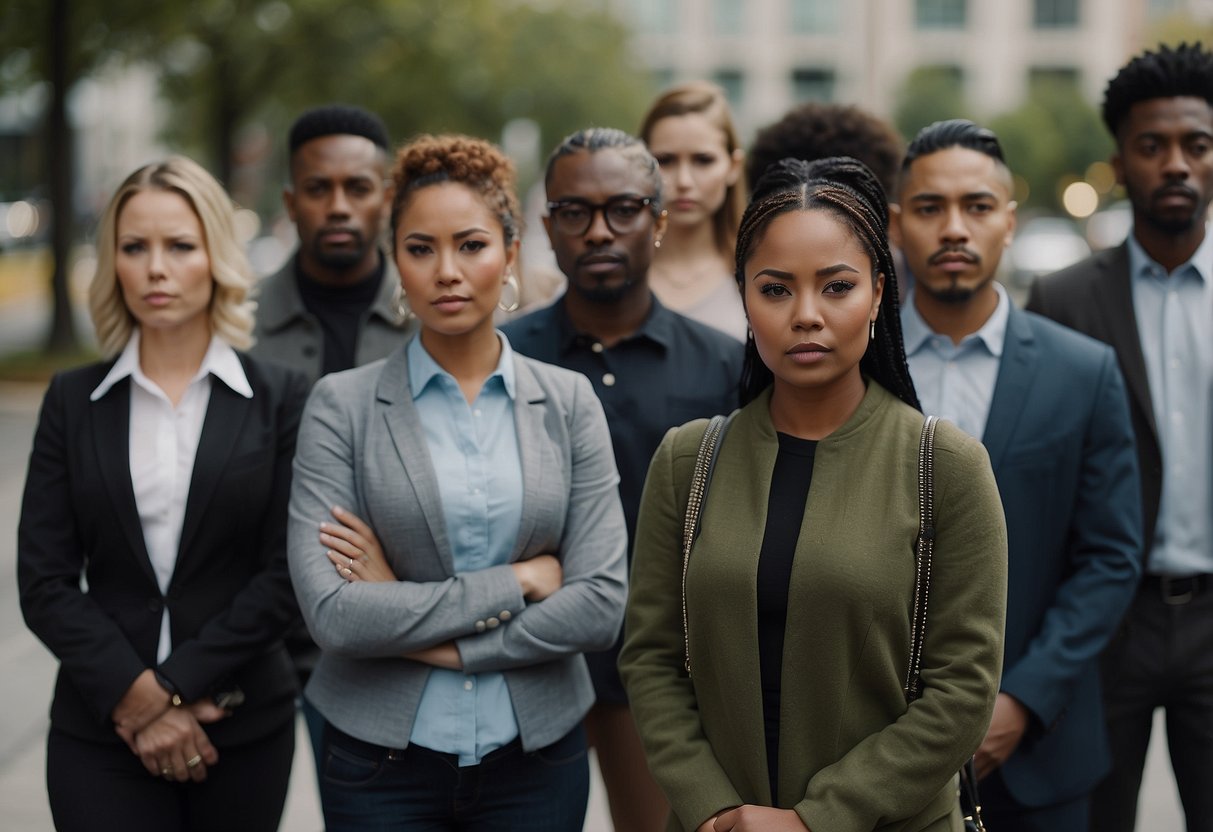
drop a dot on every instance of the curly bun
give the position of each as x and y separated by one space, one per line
476 163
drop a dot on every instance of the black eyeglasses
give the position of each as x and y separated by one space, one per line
623 214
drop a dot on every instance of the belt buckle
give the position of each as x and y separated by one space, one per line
1176 600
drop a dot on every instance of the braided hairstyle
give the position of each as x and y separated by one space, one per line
1186 70
594 139
846 189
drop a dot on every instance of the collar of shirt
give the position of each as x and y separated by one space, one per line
917 333
220 361
658 327
1143 266
423 368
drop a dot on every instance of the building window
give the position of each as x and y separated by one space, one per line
813 84
662 78
728 17
732 81
653 17
1055 14
940 14
1044 78
814 17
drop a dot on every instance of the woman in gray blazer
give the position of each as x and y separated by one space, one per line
451 622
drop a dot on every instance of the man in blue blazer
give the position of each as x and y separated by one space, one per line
1051 408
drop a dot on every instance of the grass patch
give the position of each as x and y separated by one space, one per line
37 365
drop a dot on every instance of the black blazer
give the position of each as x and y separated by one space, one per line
1096 297
230 597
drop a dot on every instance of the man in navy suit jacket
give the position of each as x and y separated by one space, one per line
1051 408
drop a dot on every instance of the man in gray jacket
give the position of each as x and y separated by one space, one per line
332 307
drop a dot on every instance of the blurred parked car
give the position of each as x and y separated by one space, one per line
1110 227
1043 245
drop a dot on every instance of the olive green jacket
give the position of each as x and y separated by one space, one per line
853 756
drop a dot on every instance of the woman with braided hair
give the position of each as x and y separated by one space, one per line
767 669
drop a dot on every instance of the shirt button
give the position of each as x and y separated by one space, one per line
468 685
608 379
492 623
596 346
1174 363
504 615
477 412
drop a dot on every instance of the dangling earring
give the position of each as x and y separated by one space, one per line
657 243
402 305
872 330
512 282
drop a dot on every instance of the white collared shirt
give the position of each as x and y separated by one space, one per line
956 381
163 441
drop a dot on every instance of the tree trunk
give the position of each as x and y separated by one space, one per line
62 336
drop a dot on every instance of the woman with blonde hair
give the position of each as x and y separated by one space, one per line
689 130
451 622
151 552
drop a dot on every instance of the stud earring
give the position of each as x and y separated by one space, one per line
512 282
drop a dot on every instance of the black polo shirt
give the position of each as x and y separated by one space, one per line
670 371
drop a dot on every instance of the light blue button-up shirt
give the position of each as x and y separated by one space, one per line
474 450
956 381
1175 323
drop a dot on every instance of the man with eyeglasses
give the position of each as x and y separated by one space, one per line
652 368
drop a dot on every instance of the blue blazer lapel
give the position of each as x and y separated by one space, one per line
1016 371
529 412
408 436
111 438
226 413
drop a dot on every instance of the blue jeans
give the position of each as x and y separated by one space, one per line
366 787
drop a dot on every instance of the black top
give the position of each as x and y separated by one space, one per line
339 310
785 515
670 371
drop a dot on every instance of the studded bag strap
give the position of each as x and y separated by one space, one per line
705 462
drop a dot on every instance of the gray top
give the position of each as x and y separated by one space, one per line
361 446
288 334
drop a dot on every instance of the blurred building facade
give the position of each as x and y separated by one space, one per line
772 54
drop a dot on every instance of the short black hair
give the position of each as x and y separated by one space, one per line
817 130
955 132
337 120
594 139
1186 70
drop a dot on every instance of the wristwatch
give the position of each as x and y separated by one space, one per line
174 695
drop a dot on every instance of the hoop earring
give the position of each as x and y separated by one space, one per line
512 282
872 330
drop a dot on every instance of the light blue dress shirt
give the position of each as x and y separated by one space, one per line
474 450
1175 324
956 381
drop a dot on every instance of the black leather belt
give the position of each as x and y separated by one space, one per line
1175 591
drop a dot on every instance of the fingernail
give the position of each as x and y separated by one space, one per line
324 526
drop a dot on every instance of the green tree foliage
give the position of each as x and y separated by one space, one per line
1051 139
236 72
929 94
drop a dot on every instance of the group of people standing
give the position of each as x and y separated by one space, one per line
482 548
